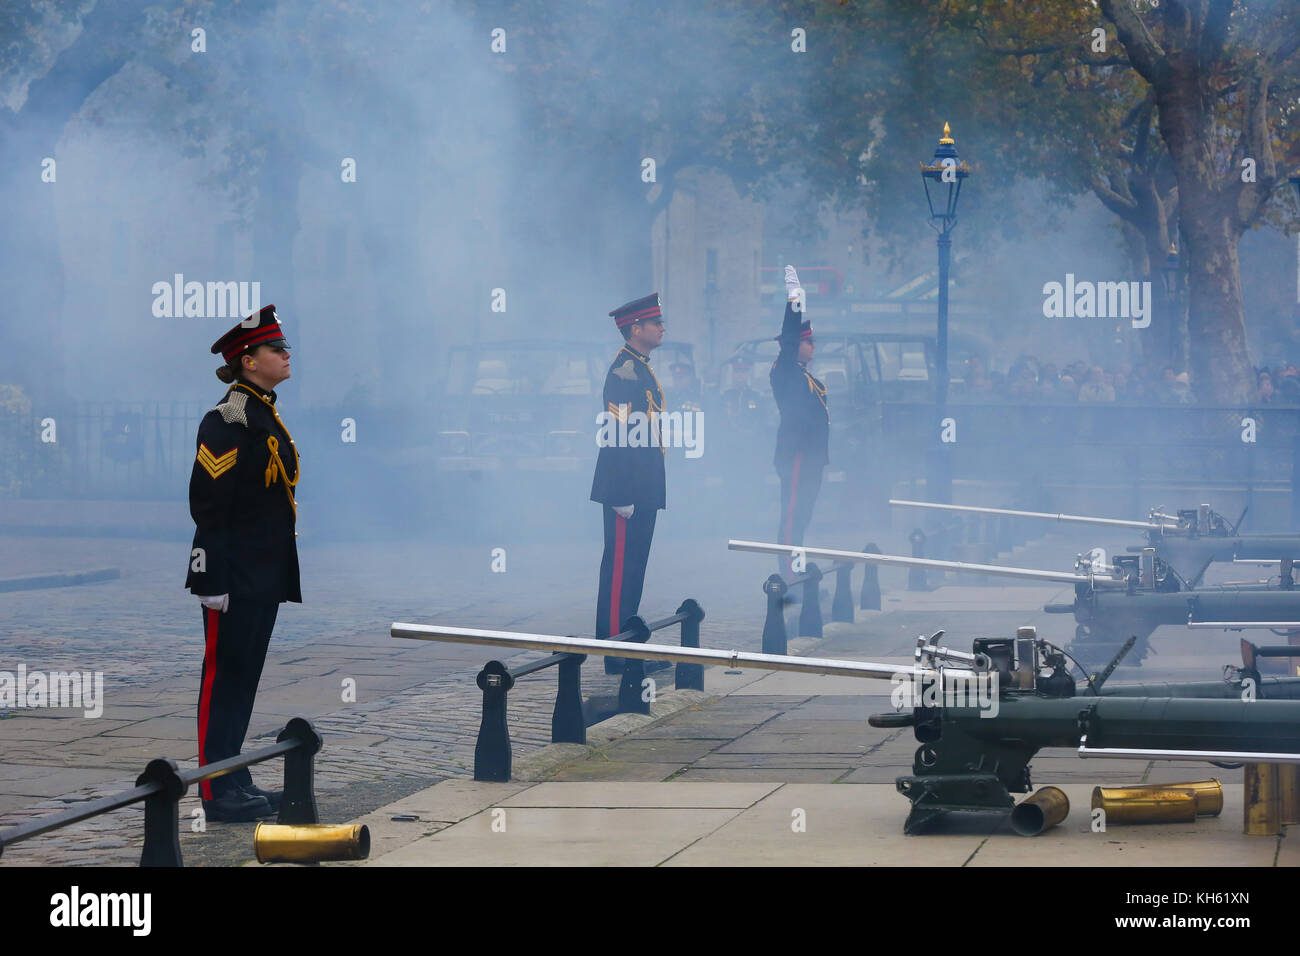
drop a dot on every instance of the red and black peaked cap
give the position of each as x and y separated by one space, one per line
805 332
638 310
260 328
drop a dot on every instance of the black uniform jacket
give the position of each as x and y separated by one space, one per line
805 422
631 475
245 524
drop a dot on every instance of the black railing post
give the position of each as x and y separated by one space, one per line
690 676
916 576
774 640
298 805
162 814
842 603
870 581
492 750
630 697
567 725
810 615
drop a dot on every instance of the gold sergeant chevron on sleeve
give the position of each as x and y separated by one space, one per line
619 411
216 465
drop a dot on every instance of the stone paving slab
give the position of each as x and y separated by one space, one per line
643 795
562 837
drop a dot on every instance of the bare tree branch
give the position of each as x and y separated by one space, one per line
1214 34
1143 51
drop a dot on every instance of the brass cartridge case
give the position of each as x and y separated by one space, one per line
1145 805
1042 811
1289 791
1262 800
1208 794
310 842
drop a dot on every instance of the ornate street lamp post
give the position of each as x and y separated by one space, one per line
942 179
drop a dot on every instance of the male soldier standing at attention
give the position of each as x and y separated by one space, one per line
244 560
803 435
629 480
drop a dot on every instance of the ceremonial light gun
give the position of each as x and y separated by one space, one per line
981 716
1191 538
1129 596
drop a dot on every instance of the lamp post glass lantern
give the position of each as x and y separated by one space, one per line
942 179
1170 274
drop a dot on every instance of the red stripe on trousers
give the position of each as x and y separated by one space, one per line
205 695
789 511
616 585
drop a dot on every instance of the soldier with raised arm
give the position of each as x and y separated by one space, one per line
803 435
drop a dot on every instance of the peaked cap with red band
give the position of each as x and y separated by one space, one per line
805 332
260 328
638 310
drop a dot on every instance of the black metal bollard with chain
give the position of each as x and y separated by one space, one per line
298 804
916 576
690 676
870 581
842 603
774 638
567 725
810 615
492 750
162 821
631 696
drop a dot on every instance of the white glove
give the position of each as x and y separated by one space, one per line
218 602
792 290
624 511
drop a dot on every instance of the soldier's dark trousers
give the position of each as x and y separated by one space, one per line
800 485
234 651
622 569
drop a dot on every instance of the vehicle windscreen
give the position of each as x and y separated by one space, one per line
509 371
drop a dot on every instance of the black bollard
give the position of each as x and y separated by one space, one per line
842 603
298 804
916 576
774 640
810 615
492 750
631 689
567 725
870 581
162 819
690 676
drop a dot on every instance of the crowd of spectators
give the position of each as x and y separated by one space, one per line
1028 379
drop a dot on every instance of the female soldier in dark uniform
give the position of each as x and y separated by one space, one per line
244 560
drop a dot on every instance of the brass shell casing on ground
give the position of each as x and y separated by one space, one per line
1262 801
1145 804
1042 811
1207 793
1289 790
310 842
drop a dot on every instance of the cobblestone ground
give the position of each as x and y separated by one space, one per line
417 709
416 712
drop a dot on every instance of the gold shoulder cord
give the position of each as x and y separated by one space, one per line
654 407
275 467
818 390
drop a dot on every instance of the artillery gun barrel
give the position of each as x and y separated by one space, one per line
1156 725
1269 688
669 652
1076 519
1243 625
898 561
